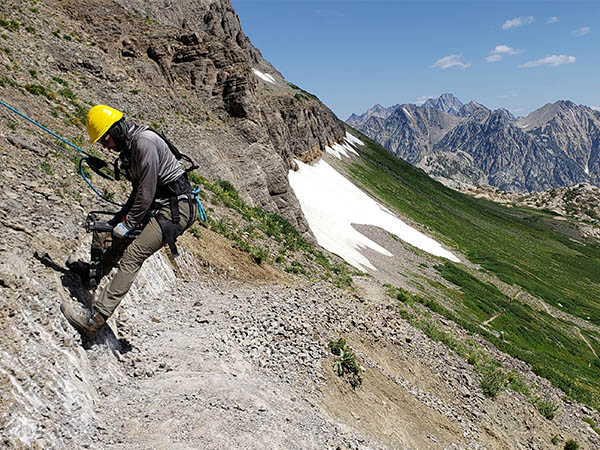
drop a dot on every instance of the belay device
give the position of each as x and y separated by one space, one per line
93 222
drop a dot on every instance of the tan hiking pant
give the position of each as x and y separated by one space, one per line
145 245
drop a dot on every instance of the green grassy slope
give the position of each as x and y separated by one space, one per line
517 246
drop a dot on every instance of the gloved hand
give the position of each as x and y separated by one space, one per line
118 217
121 231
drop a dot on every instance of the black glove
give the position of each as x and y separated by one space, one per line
117 219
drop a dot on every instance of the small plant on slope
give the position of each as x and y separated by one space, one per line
571 445
493 382
345 363
546 407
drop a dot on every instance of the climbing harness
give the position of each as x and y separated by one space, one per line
179 190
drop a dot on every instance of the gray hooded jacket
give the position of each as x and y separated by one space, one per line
152 165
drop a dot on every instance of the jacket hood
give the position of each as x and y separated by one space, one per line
124 133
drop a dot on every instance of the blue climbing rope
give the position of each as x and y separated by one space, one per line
201 212
89 183
44 128
86 179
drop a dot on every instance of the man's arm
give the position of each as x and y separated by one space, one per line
118 217
145 175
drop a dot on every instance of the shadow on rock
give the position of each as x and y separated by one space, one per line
70 280
77 289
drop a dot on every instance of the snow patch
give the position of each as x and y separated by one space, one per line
407 113
331 204
353 139
344 149
265 76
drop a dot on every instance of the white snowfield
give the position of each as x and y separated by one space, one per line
331 204
265 76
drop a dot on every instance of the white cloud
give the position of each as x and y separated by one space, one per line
596 108
422 99
553 60
517 22
581 31
450 61
553 19
500 51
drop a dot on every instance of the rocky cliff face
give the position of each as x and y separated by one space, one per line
511 159
185 68
557 145
569 129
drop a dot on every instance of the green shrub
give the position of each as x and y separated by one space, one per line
38 89
492 382
68 94
195 232
554 439
518 383
571 445
547 407
60 81
259 255
345 362
11 25
46 167
592 424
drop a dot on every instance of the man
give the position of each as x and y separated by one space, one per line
161 203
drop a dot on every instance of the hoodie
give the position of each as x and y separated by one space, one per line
152 165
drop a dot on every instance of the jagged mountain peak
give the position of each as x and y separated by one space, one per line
377 111
556 145
446 102
547 113
505 113
470 108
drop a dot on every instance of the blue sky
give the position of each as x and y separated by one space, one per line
354 54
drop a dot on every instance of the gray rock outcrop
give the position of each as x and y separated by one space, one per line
185 68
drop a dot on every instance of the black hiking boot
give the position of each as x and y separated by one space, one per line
84 320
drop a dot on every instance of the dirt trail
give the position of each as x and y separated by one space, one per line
583 338
187 383
494 317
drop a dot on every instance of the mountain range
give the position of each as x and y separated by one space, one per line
470 145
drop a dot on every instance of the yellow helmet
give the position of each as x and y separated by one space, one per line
99 120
